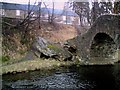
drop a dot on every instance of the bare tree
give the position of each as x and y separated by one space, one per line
50 14
116 7
25 23
82 9
95 11
66 8
106 7
39 14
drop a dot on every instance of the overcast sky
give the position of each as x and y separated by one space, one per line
58 3
32 1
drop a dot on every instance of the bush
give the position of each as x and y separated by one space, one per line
5 58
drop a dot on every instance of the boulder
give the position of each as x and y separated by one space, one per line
43 48
70 45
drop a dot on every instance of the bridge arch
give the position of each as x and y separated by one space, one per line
102 45
105 28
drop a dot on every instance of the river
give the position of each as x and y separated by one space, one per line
66 78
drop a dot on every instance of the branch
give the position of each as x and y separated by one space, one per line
9 24
27 18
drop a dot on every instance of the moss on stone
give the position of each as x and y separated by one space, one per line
54 47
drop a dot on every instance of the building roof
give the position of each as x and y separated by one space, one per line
14 6
59 12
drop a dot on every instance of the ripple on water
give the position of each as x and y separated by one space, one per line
82 78
57 80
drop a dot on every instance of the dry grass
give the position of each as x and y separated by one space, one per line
33 65
119 55
57 32
13 47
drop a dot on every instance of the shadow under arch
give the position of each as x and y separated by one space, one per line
102 46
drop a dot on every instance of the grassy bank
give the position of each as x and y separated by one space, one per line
30 65
33 65
119 55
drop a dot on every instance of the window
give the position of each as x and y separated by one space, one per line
18 12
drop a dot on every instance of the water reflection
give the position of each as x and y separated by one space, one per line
77 78
101 76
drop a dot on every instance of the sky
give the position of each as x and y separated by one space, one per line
59 4
32 1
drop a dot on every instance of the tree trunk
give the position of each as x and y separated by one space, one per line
39 15
52 17
80 16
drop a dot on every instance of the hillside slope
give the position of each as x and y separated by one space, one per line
12 41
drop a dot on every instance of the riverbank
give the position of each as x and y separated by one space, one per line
31 65
42 64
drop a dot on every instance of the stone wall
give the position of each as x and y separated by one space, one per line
107 24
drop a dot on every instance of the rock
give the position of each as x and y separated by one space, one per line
43 48
29 56
70 45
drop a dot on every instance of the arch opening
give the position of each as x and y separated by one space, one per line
103 46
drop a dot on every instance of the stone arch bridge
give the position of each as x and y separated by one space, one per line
102 40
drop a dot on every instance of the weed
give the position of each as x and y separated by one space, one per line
5 58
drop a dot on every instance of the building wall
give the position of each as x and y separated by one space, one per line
71 20
23 14
44 17
10 13
13 13
76 20
62 19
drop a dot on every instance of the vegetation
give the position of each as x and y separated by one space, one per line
33 65
53 47
117 7
5 58
92 10
13 42
16 46
18 35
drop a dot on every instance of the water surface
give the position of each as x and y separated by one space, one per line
69 78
